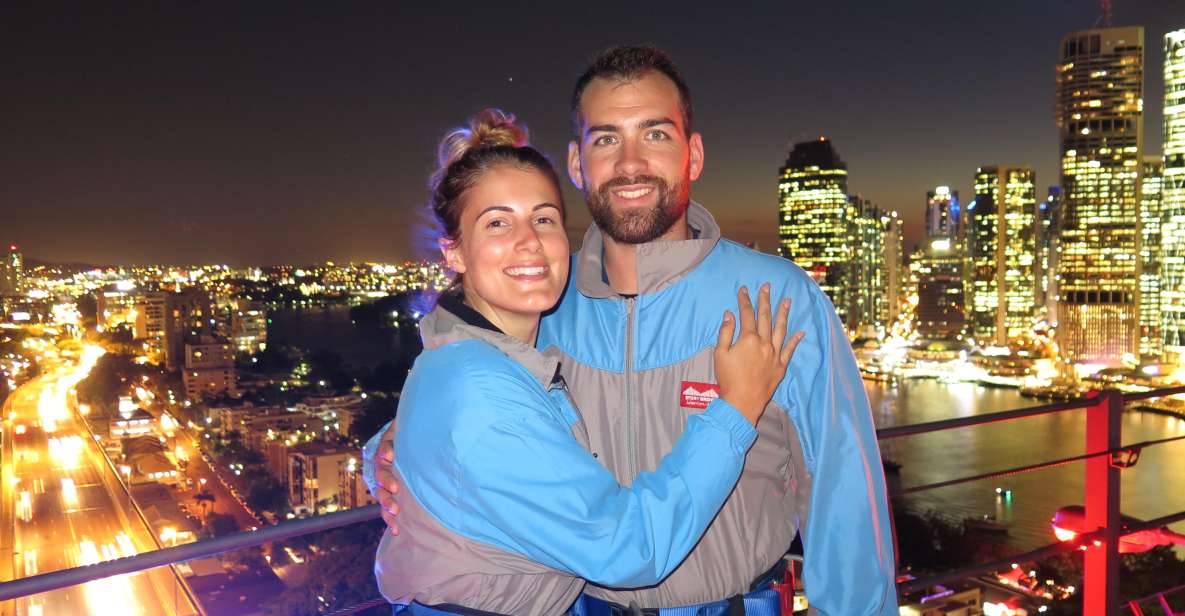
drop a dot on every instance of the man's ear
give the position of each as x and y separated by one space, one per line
451 250
574 170
696 164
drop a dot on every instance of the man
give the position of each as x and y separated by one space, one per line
635 332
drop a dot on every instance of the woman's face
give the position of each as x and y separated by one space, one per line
512 250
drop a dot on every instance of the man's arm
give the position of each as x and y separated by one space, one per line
849 568
378 455
525 485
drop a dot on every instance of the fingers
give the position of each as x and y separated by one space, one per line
724 338
779 335
764 317
789 347
391 521
746 310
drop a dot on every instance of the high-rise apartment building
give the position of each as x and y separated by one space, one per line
812 225
248 325
1150 195
1099 114
1172 202
150 321
209 368
189 316
1001 234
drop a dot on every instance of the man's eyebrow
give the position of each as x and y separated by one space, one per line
657 122
602 128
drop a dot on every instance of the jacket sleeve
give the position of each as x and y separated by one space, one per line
524 484
847 535
368 452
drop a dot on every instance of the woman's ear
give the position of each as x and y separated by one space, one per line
451 250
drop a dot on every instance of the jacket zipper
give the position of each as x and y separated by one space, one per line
631 465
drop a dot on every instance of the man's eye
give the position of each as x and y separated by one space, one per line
604 140
658 135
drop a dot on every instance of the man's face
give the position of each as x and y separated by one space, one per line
634 160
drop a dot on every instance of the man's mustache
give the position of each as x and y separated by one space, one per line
622 180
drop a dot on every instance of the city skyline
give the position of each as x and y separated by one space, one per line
184 136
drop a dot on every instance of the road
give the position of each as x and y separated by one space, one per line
69 509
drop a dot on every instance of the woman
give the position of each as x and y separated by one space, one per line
509 512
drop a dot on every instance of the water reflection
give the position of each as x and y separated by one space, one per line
1152 488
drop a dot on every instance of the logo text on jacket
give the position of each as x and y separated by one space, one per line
693 395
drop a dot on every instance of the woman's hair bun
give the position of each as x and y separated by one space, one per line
490 128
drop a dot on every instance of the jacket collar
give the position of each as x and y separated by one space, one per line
441 327
660 264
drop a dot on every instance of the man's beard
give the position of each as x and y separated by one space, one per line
638 225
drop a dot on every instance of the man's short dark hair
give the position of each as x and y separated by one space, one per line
627 63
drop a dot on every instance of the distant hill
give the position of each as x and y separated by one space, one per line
31 263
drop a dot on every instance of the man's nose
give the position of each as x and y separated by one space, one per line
631 162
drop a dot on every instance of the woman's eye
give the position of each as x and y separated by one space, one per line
496 224
544 220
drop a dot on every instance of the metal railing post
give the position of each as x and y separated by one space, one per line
1101 583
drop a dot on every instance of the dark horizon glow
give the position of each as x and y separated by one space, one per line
197 134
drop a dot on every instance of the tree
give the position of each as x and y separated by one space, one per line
219 524
376 412
329 368
267 494
205 499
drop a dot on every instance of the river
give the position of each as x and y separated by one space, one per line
1152 488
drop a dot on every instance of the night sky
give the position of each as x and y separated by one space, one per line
253 133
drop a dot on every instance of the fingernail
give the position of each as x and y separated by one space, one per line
745 290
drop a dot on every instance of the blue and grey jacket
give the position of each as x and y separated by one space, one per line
505 509
633 361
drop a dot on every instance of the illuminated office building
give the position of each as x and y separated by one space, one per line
1049 214
1150 194
937 272
1001 239
866 276
895 274
812 227
12 272
943 215
1099 114
1172 210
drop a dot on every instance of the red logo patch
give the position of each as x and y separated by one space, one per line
695 395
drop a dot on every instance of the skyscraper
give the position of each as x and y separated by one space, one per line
1001 232
1049 230
1099 113
12 272
866 281
813 203
1150 193
943 216
895 274
1172 204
